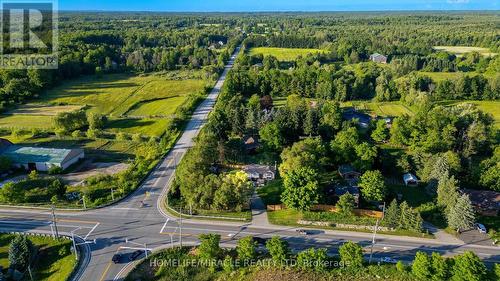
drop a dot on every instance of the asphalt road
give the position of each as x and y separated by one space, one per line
130 225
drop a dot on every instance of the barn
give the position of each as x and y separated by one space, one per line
40 158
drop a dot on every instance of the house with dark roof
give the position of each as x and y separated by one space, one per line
486 202
378 58
347 172
40 158
361 119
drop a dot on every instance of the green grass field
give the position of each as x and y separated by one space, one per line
141 104
147 126
116 94
54 262
491 107
460 50
284 54
26 121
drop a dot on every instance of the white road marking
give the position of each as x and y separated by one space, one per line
123 208
92 230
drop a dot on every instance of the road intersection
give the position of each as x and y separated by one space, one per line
140 222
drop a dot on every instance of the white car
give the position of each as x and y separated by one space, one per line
388 260
481 228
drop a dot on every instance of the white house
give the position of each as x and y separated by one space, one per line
256 172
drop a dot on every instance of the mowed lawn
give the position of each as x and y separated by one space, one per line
284 54
116 94
460 50
54 261
393 109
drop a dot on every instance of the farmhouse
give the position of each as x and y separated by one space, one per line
260 172
486 202
39 158
410 179
378 58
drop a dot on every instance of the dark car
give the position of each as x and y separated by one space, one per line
117 258
135 255
304 231
260 241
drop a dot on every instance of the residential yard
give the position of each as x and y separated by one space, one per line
284 54
55 261
394 108
460 50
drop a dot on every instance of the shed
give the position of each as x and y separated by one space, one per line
410 179
251 144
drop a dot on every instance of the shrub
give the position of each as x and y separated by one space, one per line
351 254
278 249
246 248
55 170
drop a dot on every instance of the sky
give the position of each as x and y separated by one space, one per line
275 5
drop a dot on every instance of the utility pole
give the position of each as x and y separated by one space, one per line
112 195
54 222
84 204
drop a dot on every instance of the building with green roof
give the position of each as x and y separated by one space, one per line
41 158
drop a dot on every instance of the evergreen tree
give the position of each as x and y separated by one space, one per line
20 252
392 214
461 215
447 192
440 269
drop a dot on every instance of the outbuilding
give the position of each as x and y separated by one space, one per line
410 179
42 159
378 58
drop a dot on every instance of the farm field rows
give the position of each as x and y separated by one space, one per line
284 54
134 104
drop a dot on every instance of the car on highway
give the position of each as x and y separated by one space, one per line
116 258
388 260
304 231
135 255
481 228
